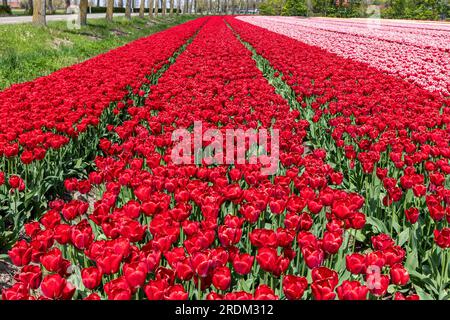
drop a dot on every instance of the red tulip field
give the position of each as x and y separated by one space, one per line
234 158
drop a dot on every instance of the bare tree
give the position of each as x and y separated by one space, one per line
186 7
128 9
171 8
4 3
120 3
39 12
109 10
164 5
83 12
178 7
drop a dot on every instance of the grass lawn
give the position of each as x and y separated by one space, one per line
28 52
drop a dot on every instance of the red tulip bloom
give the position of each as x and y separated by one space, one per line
267 259
294 287
352 290
52 260
55 287
135 273
399 275
355 263
331 242
93 296
221 278
20 254
242 263
91 277
176 292
118 289
155 289
412 215
15 182
313 256
264 292
442 237
30 275
321 291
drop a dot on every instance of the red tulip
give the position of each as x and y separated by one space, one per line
135 273
267 258
55 287
221 278
31 276
399 275
355 263
442 237
352 290
412 215
20 254
52 260
264 292
91 277
242 263
294 287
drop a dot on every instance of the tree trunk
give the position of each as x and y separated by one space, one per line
39 12
186 7
142 9
171 8
156 7
164 5
120 3
151 4
4 3
233 6
209 6
83 12
178 7
128 9
247 6
98 3
109 10
218 6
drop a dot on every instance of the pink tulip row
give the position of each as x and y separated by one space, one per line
414 52
415 35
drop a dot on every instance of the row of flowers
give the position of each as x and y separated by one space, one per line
423 35
419 57
389 138
80 93
39 147
165 231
